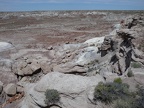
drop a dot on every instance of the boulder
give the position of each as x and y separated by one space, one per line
72 89
10 89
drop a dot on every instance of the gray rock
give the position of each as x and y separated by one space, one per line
34 66
10 89
72 89
7 77
122 50
30 64
69 68
6 64
20 89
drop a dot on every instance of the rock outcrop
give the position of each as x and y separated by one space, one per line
134 21
31 67
74 90
122 48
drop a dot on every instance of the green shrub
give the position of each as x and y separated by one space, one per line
139 102
136 65
134 101
52 96
126 103
118 80
130 73
109 92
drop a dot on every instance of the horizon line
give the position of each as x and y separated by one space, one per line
74 10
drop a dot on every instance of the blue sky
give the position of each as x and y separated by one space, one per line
33 5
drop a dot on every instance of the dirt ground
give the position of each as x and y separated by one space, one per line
41 29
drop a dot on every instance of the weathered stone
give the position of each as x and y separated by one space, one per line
29 65
69 68
26 71
20 89
6 64
10 89
8 77
72 89
34 66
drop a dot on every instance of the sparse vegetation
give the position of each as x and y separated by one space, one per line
109 92
118 80
118 93
130 73
126 103
52 96
134 101
139 102
136 65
